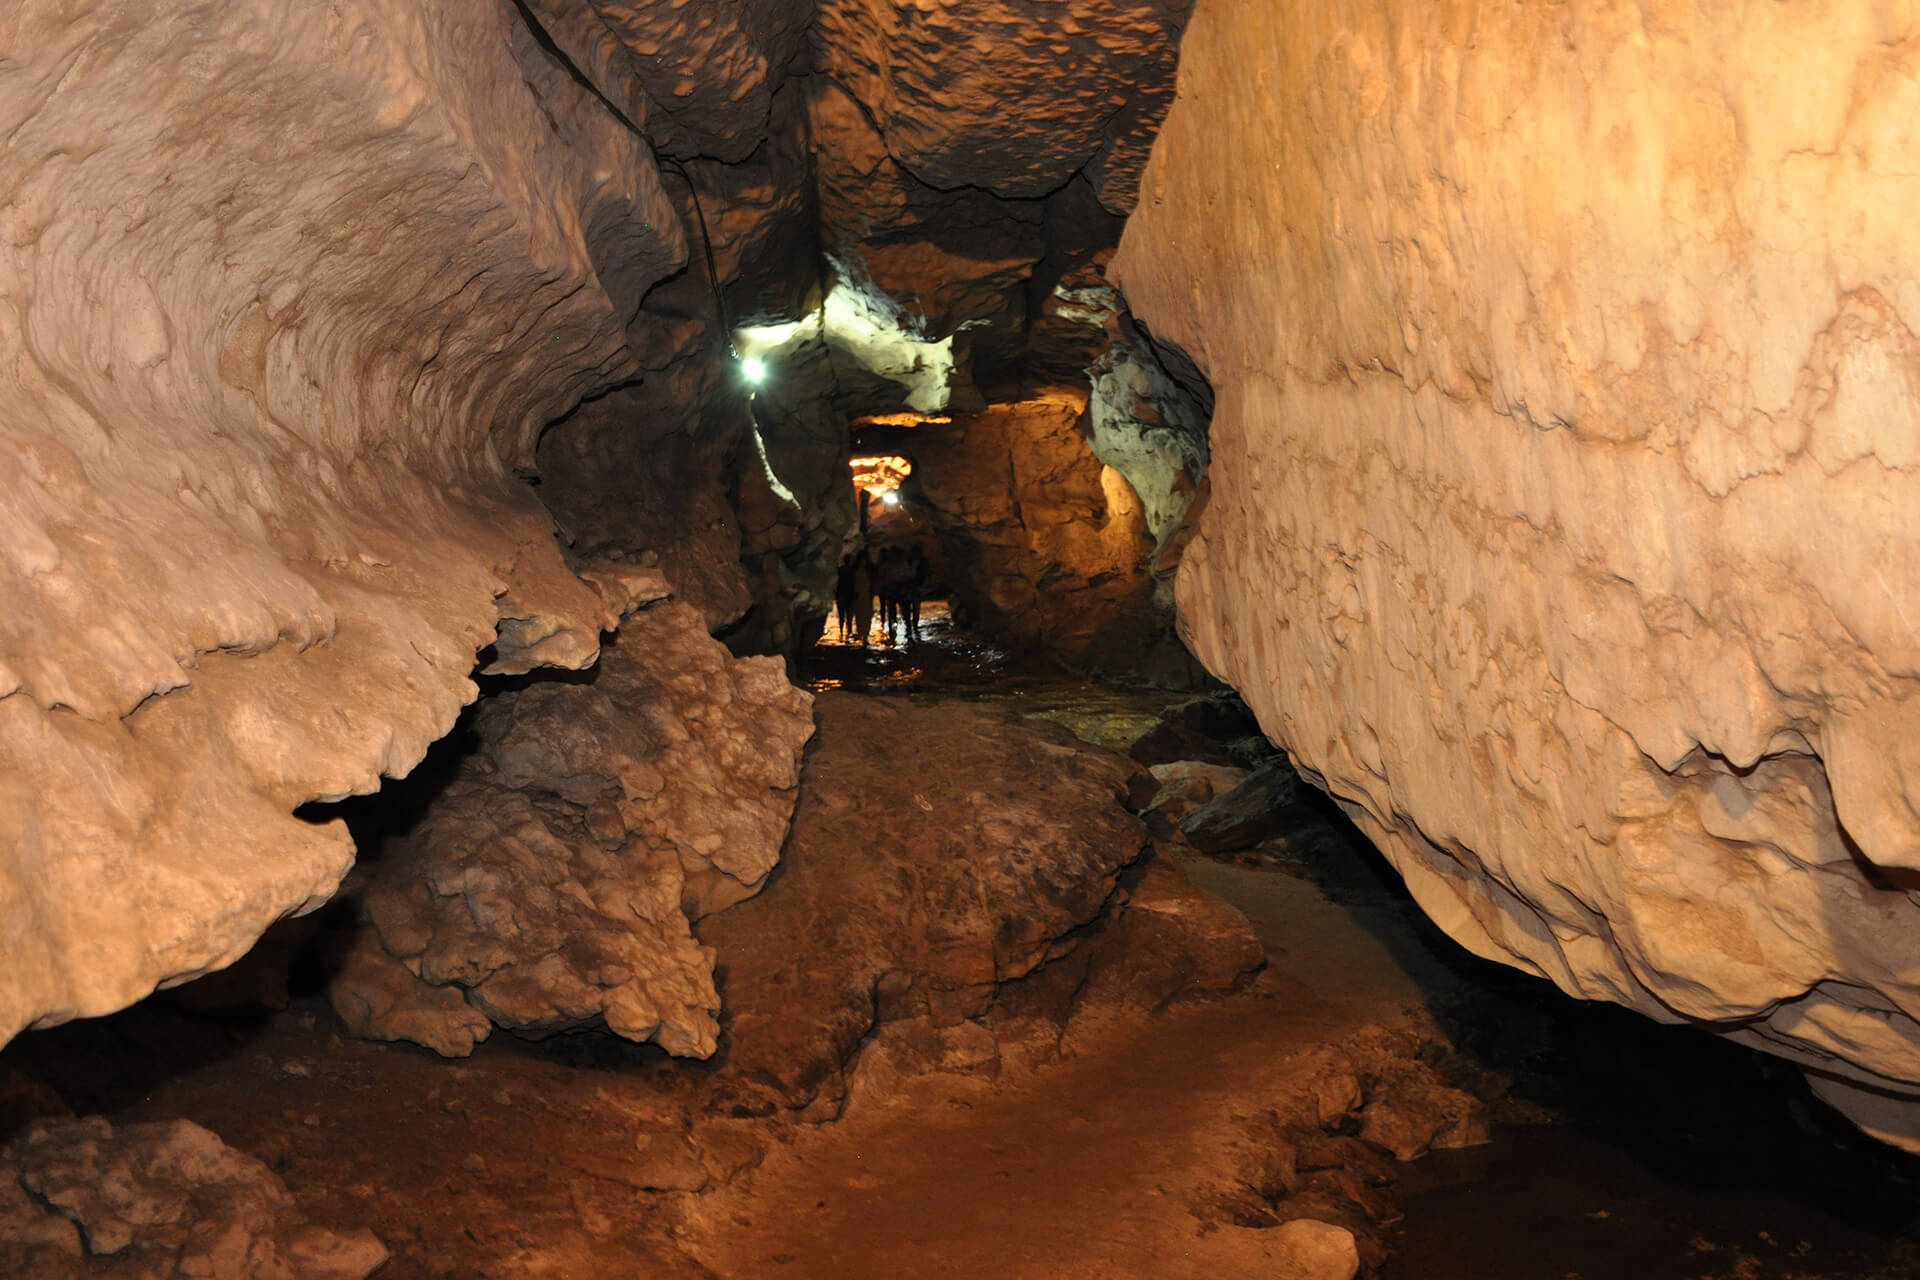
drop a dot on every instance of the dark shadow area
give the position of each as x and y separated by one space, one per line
105 1065
400 803
1624 1149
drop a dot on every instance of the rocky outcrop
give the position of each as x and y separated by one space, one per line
972 156
1562 480
1149 422
81 1198
956 877
1046 547
285 297
550 884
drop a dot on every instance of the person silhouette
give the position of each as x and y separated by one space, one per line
919 569
843 596
890 579
863 596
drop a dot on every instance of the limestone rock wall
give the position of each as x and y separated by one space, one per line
1564 516
286 293
969 155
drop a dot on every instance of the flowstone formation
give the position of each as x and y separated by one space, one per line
1563 495
550 884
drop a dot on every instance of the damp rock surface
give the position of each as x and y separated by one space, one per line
1562 497
937 854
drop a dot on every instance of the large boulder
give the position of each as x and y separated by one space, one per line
82 1199
951 869
549 886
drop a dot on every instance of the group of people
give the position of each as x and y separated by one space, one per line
898 576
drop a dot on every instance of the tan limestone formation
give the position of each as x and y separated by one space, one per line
286 294
550 884
1565 519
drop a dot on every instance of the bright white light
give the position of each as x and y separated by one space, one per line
891 497
754 367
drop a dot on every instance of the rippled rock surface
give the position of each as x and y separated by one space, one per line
1563 481
286 294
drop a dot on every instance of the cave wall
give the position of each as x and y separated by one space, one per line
1045 547
286 294
1564 518
297 300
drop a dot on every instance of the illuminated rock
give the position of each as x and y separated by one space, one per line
1047 548
286 294
1564 516
549 885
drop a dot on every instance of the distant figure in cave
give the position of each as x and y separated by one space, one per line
890 580
919 569
863 595
843 595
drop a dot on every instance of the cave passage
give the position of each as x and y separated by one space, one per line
1141 1045
1020 638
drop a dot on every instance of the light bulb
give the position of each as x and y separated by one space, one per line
891 497
754 367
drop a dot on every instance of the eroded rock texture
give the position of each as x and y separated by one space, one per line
958 880
1564 517
1046 546
549 886
286 292
973 156
287 295
80 1199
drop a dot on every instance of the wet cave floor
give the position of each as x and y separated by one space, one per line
1620 1150
1630 1151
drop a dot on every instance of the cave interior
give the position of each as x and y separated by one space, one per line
1029 638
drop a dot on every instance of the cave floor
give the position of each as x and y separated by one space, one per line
1100 1165
1670 1156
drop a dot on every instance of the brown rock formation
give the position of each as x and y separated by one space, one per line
286 299
1563 488
1046 546
550 884
80 1198
956 875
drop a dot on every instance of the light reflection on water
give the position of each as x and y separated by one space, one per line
951 665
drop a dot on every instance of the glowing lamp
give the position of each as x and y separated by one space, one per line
754 367
891 497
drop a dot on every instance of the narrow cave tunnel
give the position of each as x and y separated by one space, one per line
1032 638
